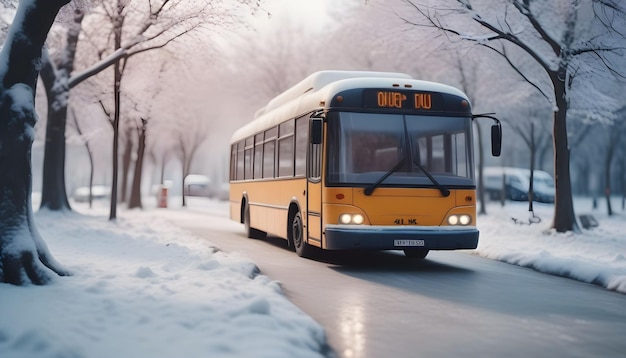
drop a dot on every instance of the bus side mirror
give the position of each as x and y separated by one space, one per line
496 139
496 133
316 128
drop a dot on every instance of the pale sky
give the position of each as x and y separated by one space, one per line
310 13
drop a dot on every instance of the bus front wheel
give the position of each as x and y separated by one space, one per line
250 231
416 253
297 236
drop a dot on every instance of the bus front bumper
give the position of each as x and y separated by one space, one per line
347 237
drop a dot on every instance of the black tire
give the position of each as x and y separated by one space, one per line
297 237
250 231
416 253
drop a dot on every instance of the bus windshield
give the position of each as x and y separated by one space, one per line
363 147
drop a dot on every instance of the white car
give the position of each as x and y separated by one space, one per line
98 192
197 185
516 182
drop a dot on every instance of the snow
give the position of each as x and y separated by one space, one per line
597 255
142 286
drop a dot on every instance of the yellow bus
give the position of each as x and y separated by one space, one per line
357 160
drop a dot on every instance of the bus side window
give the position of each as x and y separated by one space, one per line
258 156
286 148
233 162
239 171
302 137
315 161
248 152
269 153
268 159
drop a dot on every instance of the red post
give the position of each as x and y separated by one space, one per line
162 198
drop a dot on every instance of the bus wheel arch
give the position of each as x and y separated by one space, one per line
295 231
245 220
242 209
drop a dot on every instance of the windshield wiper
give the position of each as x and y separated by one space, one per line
370 189
444 192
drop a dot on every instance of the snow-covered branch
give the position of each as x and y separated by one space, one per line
524 9
97 67
518 70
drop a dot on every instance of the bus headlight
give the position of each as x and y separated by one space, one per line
462 219
356 219
345 218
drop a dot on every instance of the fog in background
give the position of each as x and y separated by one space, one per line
213 81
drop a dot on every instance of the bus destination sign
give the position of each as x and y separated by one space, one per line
412 100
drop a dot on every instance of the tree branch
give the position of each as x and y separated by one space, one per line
524 9
516 68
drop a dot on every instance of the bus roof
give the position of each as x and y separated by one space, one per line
318 80
317 90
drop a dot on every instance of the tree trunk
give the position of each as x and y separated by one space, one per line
53 192
23 254
584 180
55 78
90 154
184 203
135 193
531 183
117 79
622 177
564 217
126 158
542 151
163 163
116 140
91 171
607 169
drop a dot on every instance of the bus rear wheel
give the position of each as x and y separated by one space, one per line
297 236
416 253
250 231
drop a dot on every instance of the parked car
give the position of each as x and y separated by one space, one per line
98 192
516 182
197 185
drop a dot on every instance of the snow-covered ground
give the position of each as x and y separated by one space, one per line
142 287
596 255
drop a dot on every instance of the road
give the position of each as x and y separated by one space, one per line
452 304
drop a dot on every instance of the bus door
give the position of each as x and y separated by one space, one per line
314 184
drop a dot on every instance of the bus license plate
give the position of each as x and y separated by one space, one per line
408 242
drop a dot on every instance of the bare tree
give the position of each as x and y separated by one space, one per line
127 157
154 32
24 256
85 139
281 58
152 27
189 140
135 192
141 128
621 158
55 75
562 53
532 129
611 139
161 153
